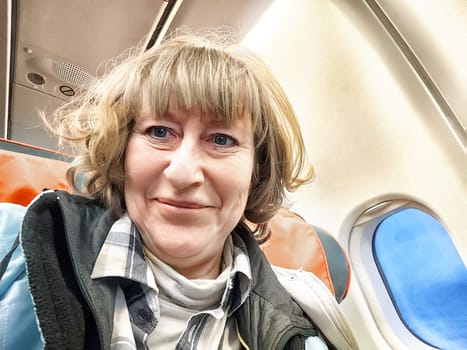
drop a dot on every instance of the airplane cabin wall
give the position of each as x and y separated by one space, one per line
372 131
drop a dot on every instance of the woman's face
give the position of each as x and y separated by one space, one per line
187 180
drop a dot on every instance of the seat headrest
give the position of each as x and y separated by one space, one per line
296 244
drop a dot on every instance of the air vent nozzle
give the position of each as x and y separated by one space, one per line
70 73
61 70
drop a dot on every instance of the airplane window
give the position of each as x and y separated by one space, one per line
425 276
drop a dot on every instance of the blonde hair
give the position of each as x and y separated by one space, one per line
226 81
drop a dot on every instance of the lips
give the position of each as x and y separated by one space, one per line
181 204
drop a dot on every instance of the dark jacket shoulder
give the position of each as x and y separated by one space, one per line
269 318
61 238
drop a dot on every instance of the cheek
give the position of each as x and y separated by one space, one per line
241 188
130 188
130 154
247 181
129 168
135 167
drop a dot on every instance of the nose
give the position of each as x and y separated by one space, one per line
185 167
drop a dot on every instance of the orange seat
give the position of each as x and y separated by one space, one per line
26 170
296 244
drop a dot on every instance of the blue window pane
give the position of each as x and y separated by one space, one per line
425 276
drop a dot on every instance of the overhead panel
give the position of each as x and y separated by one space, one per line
62 45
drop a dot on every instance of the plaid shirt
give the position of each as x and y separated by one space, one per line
136 304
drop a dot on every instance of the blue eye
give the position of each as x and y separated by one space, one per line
223 140
158 132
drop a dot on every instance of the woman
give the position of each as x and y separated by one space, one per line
178 147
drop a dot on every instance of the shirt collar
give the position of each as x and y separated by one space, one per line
122 255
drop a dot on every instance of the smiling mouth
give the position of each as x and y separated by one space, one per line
181 204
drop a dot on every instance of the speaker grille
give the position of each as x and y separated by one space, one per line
70 73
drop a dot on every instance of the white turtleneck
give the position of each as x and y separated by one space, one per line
181 298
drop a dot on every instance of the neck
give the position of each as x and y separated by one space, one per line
209 269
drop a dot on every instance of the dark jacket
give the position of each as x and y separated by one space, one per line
61 237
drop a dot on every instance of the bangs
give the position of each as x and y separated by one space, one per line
205 78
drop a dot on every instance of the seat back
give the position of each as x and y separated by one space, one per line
26 170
